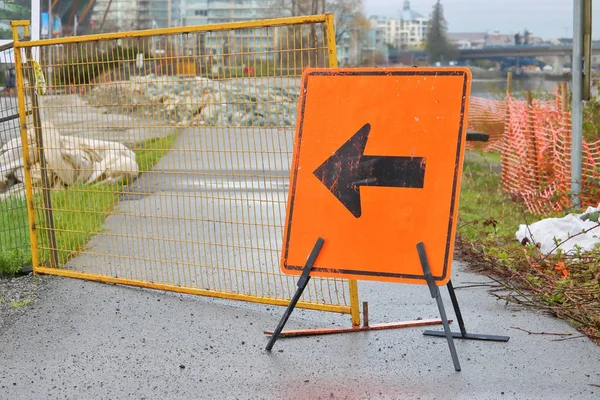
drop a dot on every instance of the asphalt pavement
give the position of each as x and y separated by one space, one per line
86 340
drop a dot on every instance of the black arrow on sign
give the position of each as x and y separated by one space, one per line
348 169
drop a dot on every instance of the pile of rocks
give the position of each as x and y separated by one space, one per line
200 101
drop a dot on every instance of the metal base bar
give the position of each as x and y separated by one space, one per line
469 336
375 327
435 293
302 282
463 331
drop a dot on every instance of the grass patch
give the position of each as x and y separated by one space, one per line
12 261
485 212
149 152
79 212
21 303
14 236
566 286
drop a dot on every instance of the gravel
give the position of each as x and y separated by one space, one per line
17 296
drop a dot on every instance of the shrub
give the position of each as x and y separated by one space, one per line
11 262
84 67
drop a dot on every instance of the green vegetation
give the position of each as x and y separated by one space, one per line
79 213
14 236
14 10
88 64
439 48
566 286
12 261
21 303
485 211
591 120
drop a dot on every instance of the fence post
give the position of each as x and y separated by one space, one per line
25 146
577 104
333 63
49 218
565 141
564 97
533 139
504 159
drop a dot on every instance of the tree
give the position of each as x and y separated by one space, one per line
18 9
439 48
526 36
5 34
518 38
348 13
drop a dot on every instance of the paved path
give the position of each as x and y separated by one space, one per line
72 115
214 200
95 341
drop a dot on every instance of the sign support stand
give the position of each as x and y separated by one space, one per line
302 282
463 331
435 293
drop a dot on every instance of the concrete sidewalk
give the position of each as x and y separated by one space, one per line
86 340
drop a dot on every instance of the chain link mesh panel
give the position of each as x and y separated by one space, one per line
162 157
14 234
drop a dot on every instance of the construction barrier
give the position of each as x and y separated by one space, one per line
536 150
14 235
488 116
161 158
536 156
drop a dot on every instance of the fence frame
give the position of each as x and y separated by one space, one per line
21 45
13 115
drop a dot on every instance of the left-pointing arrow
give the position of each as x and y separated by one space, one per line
348 169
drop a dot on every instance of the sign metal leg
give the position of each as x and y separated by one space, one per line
463 331
435 293
302 282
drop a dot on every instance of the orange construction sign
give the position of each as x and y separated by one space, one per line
376 169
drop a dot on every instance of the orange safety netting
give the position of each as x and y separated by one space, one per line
487 116
536 151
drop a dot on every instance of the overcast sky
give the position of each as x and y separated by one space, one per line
546 18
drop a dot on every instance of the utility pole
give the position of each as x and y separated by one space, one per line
50 37
35 26
581 87
577 103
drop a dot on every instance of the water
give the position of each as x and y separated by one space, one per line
496 88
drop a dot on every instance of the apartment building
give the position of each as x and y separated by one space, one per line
363 47
124 15
407 30
201 12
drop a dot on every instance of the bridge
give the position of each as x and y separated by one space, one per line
518 51
498 52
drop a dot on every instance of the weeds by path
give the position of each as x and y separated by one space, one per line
17 296
568 286
79 213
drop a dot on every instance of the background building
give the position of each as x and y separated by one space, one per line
122 15
407 31
201 12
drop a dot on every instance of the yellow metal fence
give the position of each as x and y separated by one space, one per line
14 236
161 158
